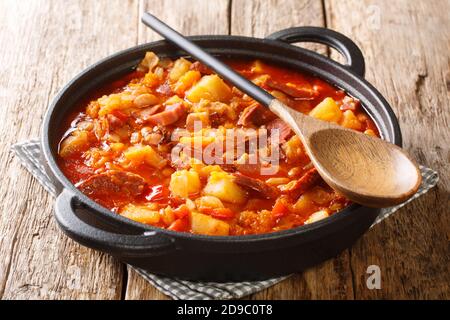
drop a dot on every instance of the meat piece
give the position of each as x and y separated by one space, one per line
284 131
254 114
114 121
165 89
170 115
155 135
198 66
296 188
144 114
297 91
349 103
258 186
112 183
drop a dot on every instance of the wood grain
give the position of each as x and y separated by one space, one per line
251 18
406 46
46 49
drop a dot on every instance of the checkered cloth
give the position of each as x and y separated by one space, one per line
29 153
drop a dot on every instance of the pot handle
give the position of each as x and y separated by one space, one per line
345 46
148 243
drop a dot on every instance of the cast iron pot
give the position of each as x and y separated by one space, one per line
229 258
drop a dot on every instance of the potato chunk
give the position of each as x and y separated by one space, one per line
186 81
140 154
140 213
209 202
210 88
180 67
350 121
207 225
327 110
184 183
293 148
76 142
222 186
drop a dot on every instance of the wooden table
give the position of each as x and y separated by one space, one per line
406 45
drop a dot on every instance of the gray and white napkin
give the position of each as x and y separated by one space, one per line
29 154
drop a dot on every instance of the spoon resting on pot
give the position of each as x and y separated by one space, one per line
365 169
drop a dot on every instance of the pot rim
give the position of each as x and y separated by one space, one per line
98 209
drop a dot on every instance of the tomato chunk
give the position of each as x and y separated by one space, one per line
279 209
180 225
220 213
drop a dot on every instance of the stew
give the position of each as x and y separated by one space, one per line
174 146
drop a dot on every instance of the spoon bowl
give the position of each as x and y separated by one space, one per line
365 169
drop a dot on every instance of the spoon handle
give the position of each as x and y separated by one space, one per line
201 55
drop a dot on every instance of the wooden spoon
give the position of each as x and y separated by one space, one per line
365 169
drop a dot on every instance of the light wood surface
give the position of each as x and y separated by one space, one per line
46 42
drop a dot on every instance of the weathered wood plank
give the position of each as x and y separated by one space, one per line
406 45
262 17
190 18
332 279
45 43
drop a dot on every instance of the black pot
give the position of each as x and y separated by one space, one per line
229 258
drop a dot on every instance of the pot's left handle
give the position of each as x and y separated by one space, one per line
149 243
345 46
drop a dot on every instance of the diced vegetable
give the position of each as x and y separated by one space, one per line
316 216
257 67
149 62
151 80
209 202
186 81
207 225
180 225
304 204
211 88
145 100
293 150
184 183
222 186
197 120
76 142
350 121
167 215
320 196
113 102
219 213
141 214
140 154
280 208
370 132
180 67
327 110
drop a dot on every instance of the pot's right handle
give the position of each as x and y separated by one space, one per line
345 46
149 243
